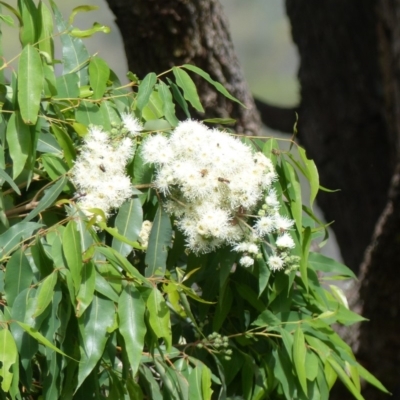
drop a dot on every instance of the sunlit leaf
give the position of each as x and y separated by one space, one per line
159 242
99 73
145 89
299 357
30 84
71 243
185 82
8 357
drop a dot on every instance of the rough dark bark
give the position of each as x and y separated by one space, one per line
160 34
350 125
341 117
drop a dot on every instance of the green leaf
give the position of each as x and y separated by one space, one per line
50 196
28 30
185 82
159 317
371 379
168 105
267 318
80 9
118 260
216 84
178 97
67 86
65 143
221 121
8 357
86 289
293 192
299 357
19 142
129 223
145 89
305 249
109 113
104 288
7 19
11 238
319 262
46 28
264 274
42 260
45 293
54 166
96 27
344 378
75 55
311 365
18 276
48 144
312 174
40 338
99 72
93 326
89 113
30 84
71 244
131 311
159 241
8 179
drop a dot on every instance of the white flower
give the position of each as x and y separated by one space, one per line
99 172
265 225
271 200
283 223
285 241
246 261
275 263
131 123
253 248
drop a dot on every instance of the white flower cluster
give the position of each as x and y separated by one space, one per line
99 171
145 233
213 183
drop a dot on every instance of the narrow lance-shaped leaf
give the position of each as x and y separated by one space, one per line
65 143
159 317
18 276
93 326
75 55
216 84
30 84
186 83
99 73
305 249
39 337
72 252
29 28
168 105
145 89
131 310
86 289
312 175
46 43
19 142
50 196
8 357
159 241
129 223
45 293
299 357
11 238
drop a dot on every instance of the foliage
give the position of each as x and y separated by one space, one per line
95 305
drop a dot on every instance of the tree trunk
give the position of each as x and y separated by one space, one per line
160 34
350 125
341 117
